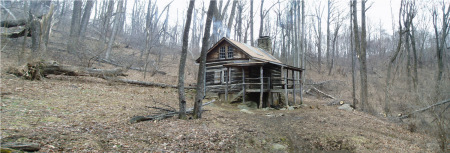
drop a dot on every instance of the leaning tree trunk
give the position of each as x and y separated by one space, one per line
201 70
114 31
181 97
391 62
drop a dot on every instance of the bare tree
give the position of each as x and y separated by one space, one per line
365 106
74 27
329 12
86 17
337 26
201 70
181 98
230 20
392 60
262 15
318 32
251 23
353 51
114 30
440 40
356 39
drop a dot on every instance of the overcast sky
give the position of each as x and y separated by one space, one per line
380 12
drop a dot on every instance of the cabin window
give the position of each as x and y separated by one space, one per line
230 51
217 77
222 53
224 77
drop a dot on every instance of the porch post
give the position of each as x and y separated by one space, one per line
293 91
285 87
226 87
243 85
301 87
261 89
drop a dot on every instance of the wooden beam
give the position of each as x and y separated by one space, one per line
285 87
293 86
301 87
262 86
226 87
243 85
269 86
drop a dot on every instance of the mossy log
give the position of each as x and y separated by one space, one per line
20 146
37 70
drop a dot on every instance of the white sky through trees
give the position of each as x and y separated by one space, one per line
382 12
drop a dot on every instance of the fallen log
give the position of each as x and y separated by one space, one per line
16 23
425 108
37 70
151 84
22 146
137 119
320 92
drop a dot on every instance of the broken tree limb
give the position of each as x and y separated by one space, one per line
15 23
151 84
137 119
321 92
322 82
425 108
16 34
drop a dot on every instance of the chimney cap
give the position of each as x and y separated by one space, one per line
262 37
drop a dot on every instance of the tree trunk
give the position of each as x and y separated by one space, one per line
251 24
201 70
181 98
353 53
303 48
239 33
86 17
261 15
391 62
440 45
231 19
365 106
35 28
357 42
328 35
114 30
413 44
74 28
47 21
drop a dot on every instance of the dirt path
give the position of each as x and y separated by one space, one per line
80 114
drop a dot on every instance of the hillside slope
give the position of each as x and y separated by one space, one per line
90 114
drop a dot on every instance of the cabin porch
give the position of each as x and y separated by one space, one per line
266 83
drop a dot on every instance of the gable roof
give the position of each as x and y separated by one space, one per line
253 52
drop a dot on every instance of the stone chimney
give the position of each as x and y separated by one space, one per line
265 43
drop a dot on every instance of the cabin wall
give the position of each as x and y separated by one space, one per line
217 76
213 55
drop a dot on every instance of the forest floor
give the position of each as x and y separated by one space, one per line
86 114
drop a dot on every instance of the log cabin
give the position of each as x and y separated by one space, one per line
237 70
